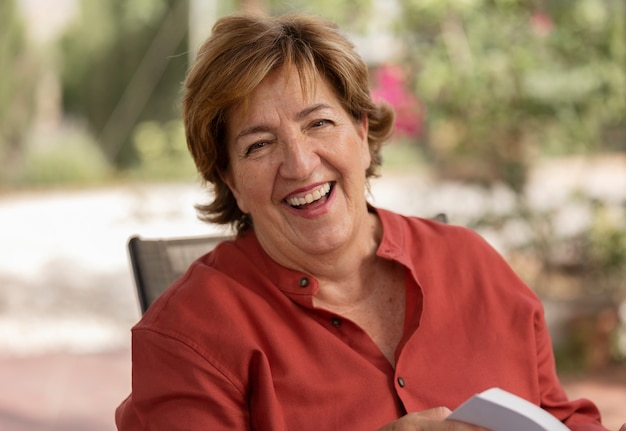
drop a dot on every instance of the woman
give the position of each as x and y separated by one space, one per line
324 312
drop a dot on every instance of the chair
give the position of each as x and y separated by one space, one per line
156 263
441 218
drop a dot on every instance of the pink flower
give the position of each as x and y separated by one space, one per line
390 86
541 24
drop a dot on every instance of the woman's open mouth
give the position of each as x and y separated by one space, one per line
301 202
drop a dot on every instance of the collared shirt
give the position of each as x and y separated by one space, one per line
237 344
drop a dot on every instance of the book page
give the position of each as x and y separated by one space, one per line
498 410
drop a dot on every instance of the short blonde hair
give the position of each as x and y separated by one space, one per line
241 51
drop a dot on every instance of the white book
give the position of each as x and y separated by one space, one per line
499 410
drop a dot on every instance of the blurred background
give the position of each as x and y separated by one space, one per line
511 120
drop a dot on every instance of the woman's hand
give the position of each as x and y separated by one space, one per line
623 428
431 420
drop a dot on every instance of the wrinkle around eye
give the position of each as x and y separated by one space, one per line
321 123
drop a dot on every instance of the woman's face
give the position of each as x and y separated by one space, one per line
298 168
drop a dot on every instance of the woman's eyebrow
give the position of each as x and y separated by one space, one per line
307 111
263 128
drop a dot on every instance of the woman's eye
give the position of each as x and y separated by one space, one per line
255 146
319 123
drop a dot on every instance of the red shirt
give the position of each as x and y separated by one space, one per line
236 344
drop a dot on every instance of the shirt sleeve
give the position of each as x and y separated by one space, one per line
176 387
578 415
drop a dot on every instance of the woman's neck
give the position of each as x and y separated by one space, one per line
343 276
341 266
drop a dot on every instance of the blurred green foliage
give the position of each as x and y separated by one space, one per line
68 159
123 63
604 245
352 15
162 151
19 72
505 80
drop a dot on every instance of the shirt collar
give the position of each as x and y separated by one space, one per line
393 243
301 287
297 285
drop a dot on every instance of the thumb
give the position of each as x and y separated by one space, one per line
439 413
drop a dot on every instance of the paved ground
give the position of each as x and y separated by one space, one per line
67 300
63 391
607 389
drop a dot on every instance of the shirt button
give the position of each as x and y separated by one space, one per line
336 322
401 382
303 282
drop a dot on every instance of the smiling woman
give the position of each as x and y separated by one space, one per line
323 312
284 148
233 67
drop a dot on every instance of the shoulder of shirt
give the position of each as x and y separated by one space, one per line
212 285
428 232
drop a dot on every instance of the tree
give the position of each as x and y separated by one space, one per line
505 80
17 88
123 64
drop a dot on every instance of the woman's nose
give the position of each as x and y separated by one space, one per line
299 158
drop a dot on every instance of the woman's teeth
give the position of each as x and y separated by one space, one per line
310 197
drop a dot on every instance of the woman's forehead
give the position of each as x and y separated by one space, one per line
301 85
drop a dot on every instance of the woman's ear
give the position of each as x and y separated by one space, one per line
362 127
